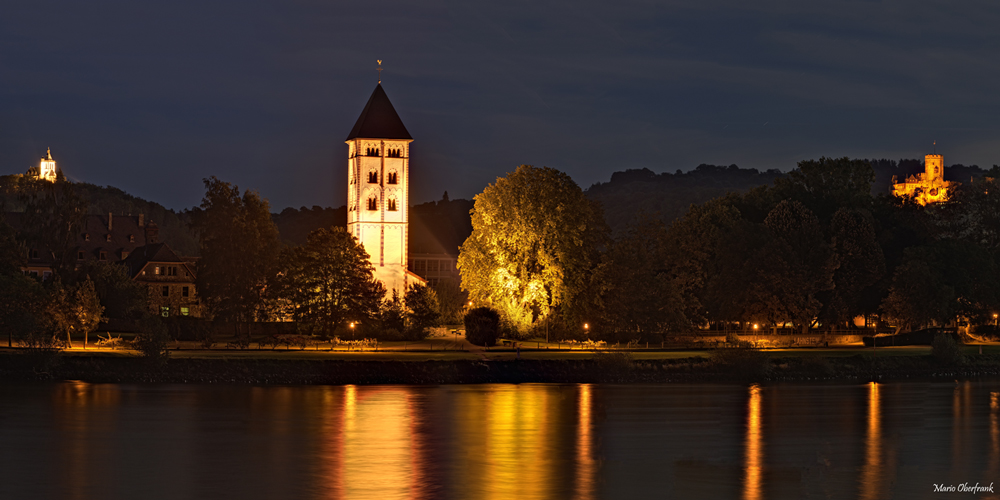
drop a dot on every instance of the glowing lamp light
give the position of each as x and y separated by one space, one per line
755 326
586 326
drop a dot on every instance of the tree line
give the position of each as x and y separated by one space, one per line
815 250
246 275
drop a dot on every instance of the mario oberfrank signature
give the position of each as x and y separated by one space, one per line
962 488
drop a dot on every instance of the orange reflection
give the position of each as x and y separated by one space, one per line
871 480
379 457
585 464
754 448
82 412
518 450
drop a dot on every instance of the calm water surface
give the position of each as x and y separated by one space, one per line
77 440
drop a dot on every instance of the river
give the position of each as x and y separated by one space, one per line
75 440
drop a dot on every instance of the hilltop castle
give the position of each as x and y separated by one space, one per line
927 187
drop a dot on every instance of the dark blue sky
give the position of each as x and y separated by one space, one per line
153 96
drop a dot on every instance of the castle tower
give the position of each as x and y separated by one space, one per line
47 167
378 179
934 168
927 187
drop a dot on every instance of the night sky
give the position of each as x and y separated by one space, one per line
151 97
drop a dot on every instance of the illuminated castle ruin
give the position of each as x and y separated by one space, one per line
378 179
47 167
927 187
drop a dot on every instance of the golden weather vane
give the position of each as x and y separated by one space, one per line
379 69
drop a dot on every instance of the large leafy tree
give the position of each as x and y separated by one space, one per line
239 252
638 295
534 242
795 265
861 263
827 185
330 280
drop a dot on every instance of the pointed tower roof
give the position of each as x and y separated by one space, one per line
379 120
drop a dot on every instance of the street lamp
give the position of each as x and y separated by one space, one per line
994 321
352 330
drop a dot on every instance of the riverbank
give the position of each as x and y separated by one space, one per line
615 367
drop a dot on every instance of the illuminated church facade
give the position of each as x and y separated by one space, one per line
378 180
926 187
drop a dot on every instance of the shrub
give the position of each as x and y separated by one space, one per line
482 326
744 361
946 350
152 340
732 338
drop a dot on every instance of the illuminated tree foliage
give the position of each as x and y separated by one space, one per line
239 252
75 309
329 281
534 242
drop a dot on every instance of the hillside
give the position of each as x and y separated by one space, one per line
667 195
106 199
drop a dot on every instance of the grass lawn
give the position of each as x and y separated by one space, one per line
447 348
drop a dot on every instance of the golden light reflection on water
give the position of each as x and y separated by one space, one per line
754 459
83 412
379 458
872 474
517 443
585 463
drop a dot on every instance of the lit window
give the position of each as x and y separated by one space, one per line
184 311
165 311
156 270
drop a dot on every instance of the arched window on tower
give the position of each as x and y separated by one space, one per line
391 204
372 177
391 178
373 203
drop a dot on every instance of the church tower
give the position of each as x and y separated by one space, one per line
47 167
378 180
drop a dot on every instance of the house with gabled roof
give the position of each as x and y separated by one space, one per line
170 279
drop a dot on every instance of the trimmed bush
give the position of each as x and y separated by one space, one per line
946 350
482 326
